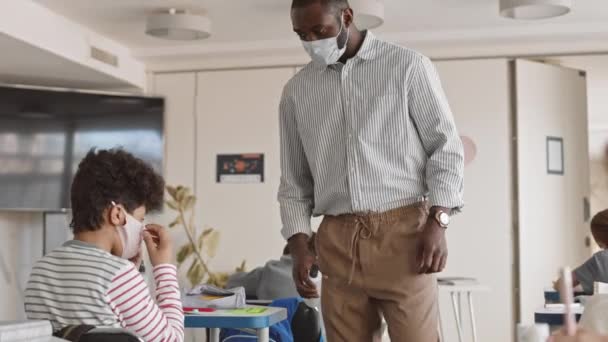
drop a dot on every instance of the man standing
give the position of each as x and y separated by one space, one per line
368 141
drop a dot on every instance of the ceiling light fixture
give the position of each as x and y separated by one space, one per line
369 14
178 25
534 9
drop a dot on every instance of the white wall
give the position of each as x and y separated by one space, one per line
480 240
20 247
225 112
237 113
597 88
180 131
551 102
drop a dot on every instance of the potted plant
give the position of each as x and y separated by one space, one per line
201 247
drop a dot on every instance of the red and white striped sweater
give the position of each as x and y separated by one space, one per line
81 284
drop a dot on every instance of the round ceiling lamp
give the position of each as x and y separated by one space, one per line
534 9
178 25
369 14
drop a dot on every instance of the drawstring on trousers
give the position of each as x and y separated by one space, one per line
362 231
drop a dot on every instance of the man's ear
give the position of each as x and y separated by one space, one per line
349 17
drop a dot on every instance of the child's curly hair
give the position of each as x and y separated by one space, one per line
107 176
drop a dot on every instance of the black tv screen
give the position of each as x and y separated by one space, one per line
45 133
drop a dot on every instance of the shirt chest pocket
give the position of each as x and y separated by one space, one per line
319 120
384 115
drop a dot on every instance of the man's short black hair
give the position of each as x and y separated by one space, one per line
112 175
333 4
599 227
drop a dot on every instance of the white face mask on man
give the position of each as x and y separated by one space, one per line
326 51
130 235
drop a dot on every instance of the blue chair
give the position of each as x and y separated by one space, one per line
302 325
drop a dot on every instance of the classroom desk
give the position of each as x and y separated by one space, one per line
555 317
237 319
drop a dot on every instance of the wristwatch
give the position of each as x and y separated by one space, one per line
442 218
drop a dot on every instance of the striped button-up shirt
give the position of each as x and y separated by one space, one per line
370 135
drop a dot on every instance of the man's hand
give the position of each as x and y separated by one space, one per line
303 260
159 244
433 248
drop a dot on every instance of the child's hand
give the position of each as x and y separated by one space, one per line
556 284
159 244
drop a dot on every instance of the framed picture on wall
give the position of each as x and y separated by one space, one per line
240 168
555 156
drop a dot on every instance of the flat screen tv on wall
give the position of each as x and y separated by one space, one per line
45 133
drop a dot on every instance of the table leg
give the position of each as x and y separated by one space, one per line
441 338
456 308
472 314
214 335
264 335
460 308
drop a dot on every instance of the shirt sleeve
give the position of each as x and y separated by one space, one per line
132 303
296 189
432 117
587 273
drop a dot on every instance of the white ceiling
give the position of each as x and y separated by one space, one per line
237 21
23 63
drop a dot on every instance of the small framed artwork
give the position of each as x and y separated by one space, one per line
240 168
555 156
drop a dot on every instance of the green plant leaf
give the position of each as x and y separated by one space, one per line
180 193
171 190
211 243
242 268
195 273
203 237
171 204
177 221
189 202
184 252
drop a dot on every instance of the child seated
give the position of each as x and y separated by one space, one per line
596 268
94 279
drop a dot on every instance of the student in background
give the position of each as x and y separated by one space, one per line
94 279
272 281
596 268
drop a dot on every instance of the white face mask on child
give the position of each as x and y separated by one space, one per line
130 235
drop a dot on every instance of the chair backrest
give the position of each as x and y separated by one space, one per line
88 333
109 335
305 324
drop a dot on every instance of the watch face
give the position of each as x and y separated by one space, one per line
444 219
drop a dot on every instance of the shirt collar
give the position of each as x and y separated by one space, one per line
81 244
367 50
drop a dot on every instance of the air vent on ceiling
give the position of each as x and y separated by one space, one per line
104 56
